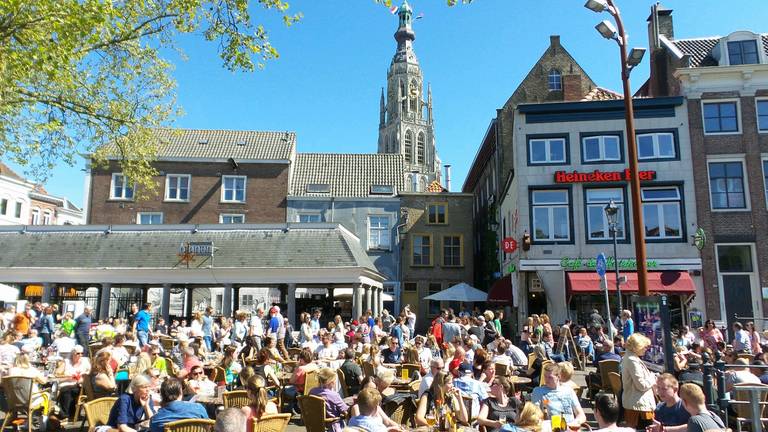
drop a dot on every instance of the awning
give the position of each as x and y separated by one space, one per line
667 282
501 291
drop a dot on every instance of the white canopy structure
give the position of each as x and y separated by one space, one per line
461 292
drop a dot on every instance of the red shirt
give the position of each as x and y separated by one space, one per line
453 367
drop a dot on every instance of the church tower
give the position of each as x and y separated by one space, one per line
405 119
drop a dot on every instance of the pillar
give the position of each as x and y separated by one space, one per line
46 294
367 304
379 300
357 301
106 288
292 304
165 304
188 302
236 300
226 309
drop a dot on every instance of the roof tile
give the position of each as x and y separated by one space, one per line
347 174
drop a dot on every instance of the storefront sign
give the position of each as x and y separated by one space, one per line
597 176
591 264
197 248
509 245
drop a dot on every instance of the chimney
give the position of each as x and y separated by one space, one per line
572 88
659 23
415 182
554 42
447 177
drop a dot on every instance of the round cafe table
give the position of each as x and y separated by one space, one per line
519 380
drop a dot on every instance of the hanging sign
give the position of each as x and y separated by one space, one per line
509 245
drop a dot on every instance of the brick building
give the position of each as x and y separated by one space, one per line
725 81
204 176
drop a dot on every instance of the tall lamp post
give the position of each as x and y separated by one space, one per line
628 62
612 214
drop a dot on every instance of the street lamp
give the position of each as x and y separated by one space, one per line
627 64
612 214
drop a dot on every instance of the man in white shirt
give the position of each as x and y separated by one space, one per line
516 354
63 344
435 366
327 351
741 343
410 319
257 327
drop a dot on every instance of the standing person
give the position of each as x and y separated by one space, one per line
22 321
627 325
741 340
637 382
315 325
701 419
711 335
410 319
257 328
47 326
141 324
83 328
497 320
277 330
397 330
132 315
754 338
386 321
208 328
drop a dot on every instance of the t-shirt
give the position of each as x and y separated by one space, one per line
352 375
176 410
562 401
128 411
207 325
704 421
83 324
368 423
675 415
68 326
142 321
21 323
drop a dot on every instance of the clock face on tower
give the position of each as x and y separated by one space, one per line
414 90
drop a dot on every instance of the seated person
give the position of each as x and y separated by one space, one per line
368 402
392 353
669 415
441 392
327 351
102 375
352 373
22 367
199 384
528 420
334 405
260 405
131 409
174 408
607 414
585 343
501 407
562 400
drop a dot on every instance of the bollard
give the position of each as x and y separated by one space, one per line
709 388
722 402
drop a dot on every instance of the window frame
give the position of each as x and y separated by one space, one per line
569 205
234 194
675 144
112 195
759 100
18 210
231 215
681 207
429 213
735 101
744 179
431 249
408 146
421 145
586 135
626 238
461 250
554 73
388 230
309 214
764 164
548 137
757 44
47 217
167 197
140 214
4 206
34 216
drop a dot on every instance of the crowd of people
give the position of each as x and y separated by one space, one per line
462 368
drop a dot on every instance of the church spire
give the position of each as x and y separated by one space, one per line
382 110
405 35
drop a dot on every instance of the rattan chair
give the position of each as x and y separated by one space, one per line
293 353
311 381
604 367
311 409
97 411
614 381
502 369
413 370
400 412
167 343
236 399
271 423
190 425
86 394
217 374
22 401
368 369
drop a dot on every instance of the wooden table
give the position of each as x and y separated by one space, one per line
210 400
519 380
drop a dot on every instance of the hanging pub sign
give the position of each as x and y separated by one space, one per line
598 176
509 245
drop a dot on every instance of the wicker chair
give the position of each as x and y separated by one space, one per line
22 401
368 369
271 423
401 413
614 380
311 407
604 367
190 425
86 394
502 369
97 411
342 383
310 382
167 343
218 374
236 399
413 370
293 353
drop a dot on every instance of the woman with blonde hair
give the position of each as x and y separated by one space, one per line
545 322
143 363
441 392
260 404
528 420
637 382
102 375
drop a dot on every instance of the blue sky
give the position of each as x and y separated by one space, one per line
327 81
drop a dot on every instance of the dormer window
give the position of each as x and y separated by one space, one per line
743 52
555 80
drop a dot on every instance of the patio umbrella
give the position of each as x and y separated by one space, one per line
461 292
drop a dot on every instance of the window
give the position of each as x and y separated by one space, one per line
35 217
408 145
47 216
742 52
434 305
734 258
421 254
410 286
177 187
726 185
149 218
720 117
551 219
310 218
546 150
318 188
232 218
437 214
657 145
420 148
233 189
762 115
382 190
452 253
661 213
120 189
4 206
18 210
601 148
597 221
378 232
765 179
554 80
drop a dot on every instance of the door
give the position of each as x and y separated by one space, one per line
737 290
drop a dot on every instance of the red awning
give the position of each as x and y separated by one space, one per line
501 291
669 282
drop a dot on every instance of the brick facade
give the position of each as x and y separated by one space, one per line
266 191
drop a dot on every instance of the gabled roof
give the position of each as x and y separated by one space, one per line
223 144
700 49
436 187
599 93
347 174
6 171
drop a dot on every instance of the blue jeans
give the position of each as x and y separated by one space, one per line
143 337
208 342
